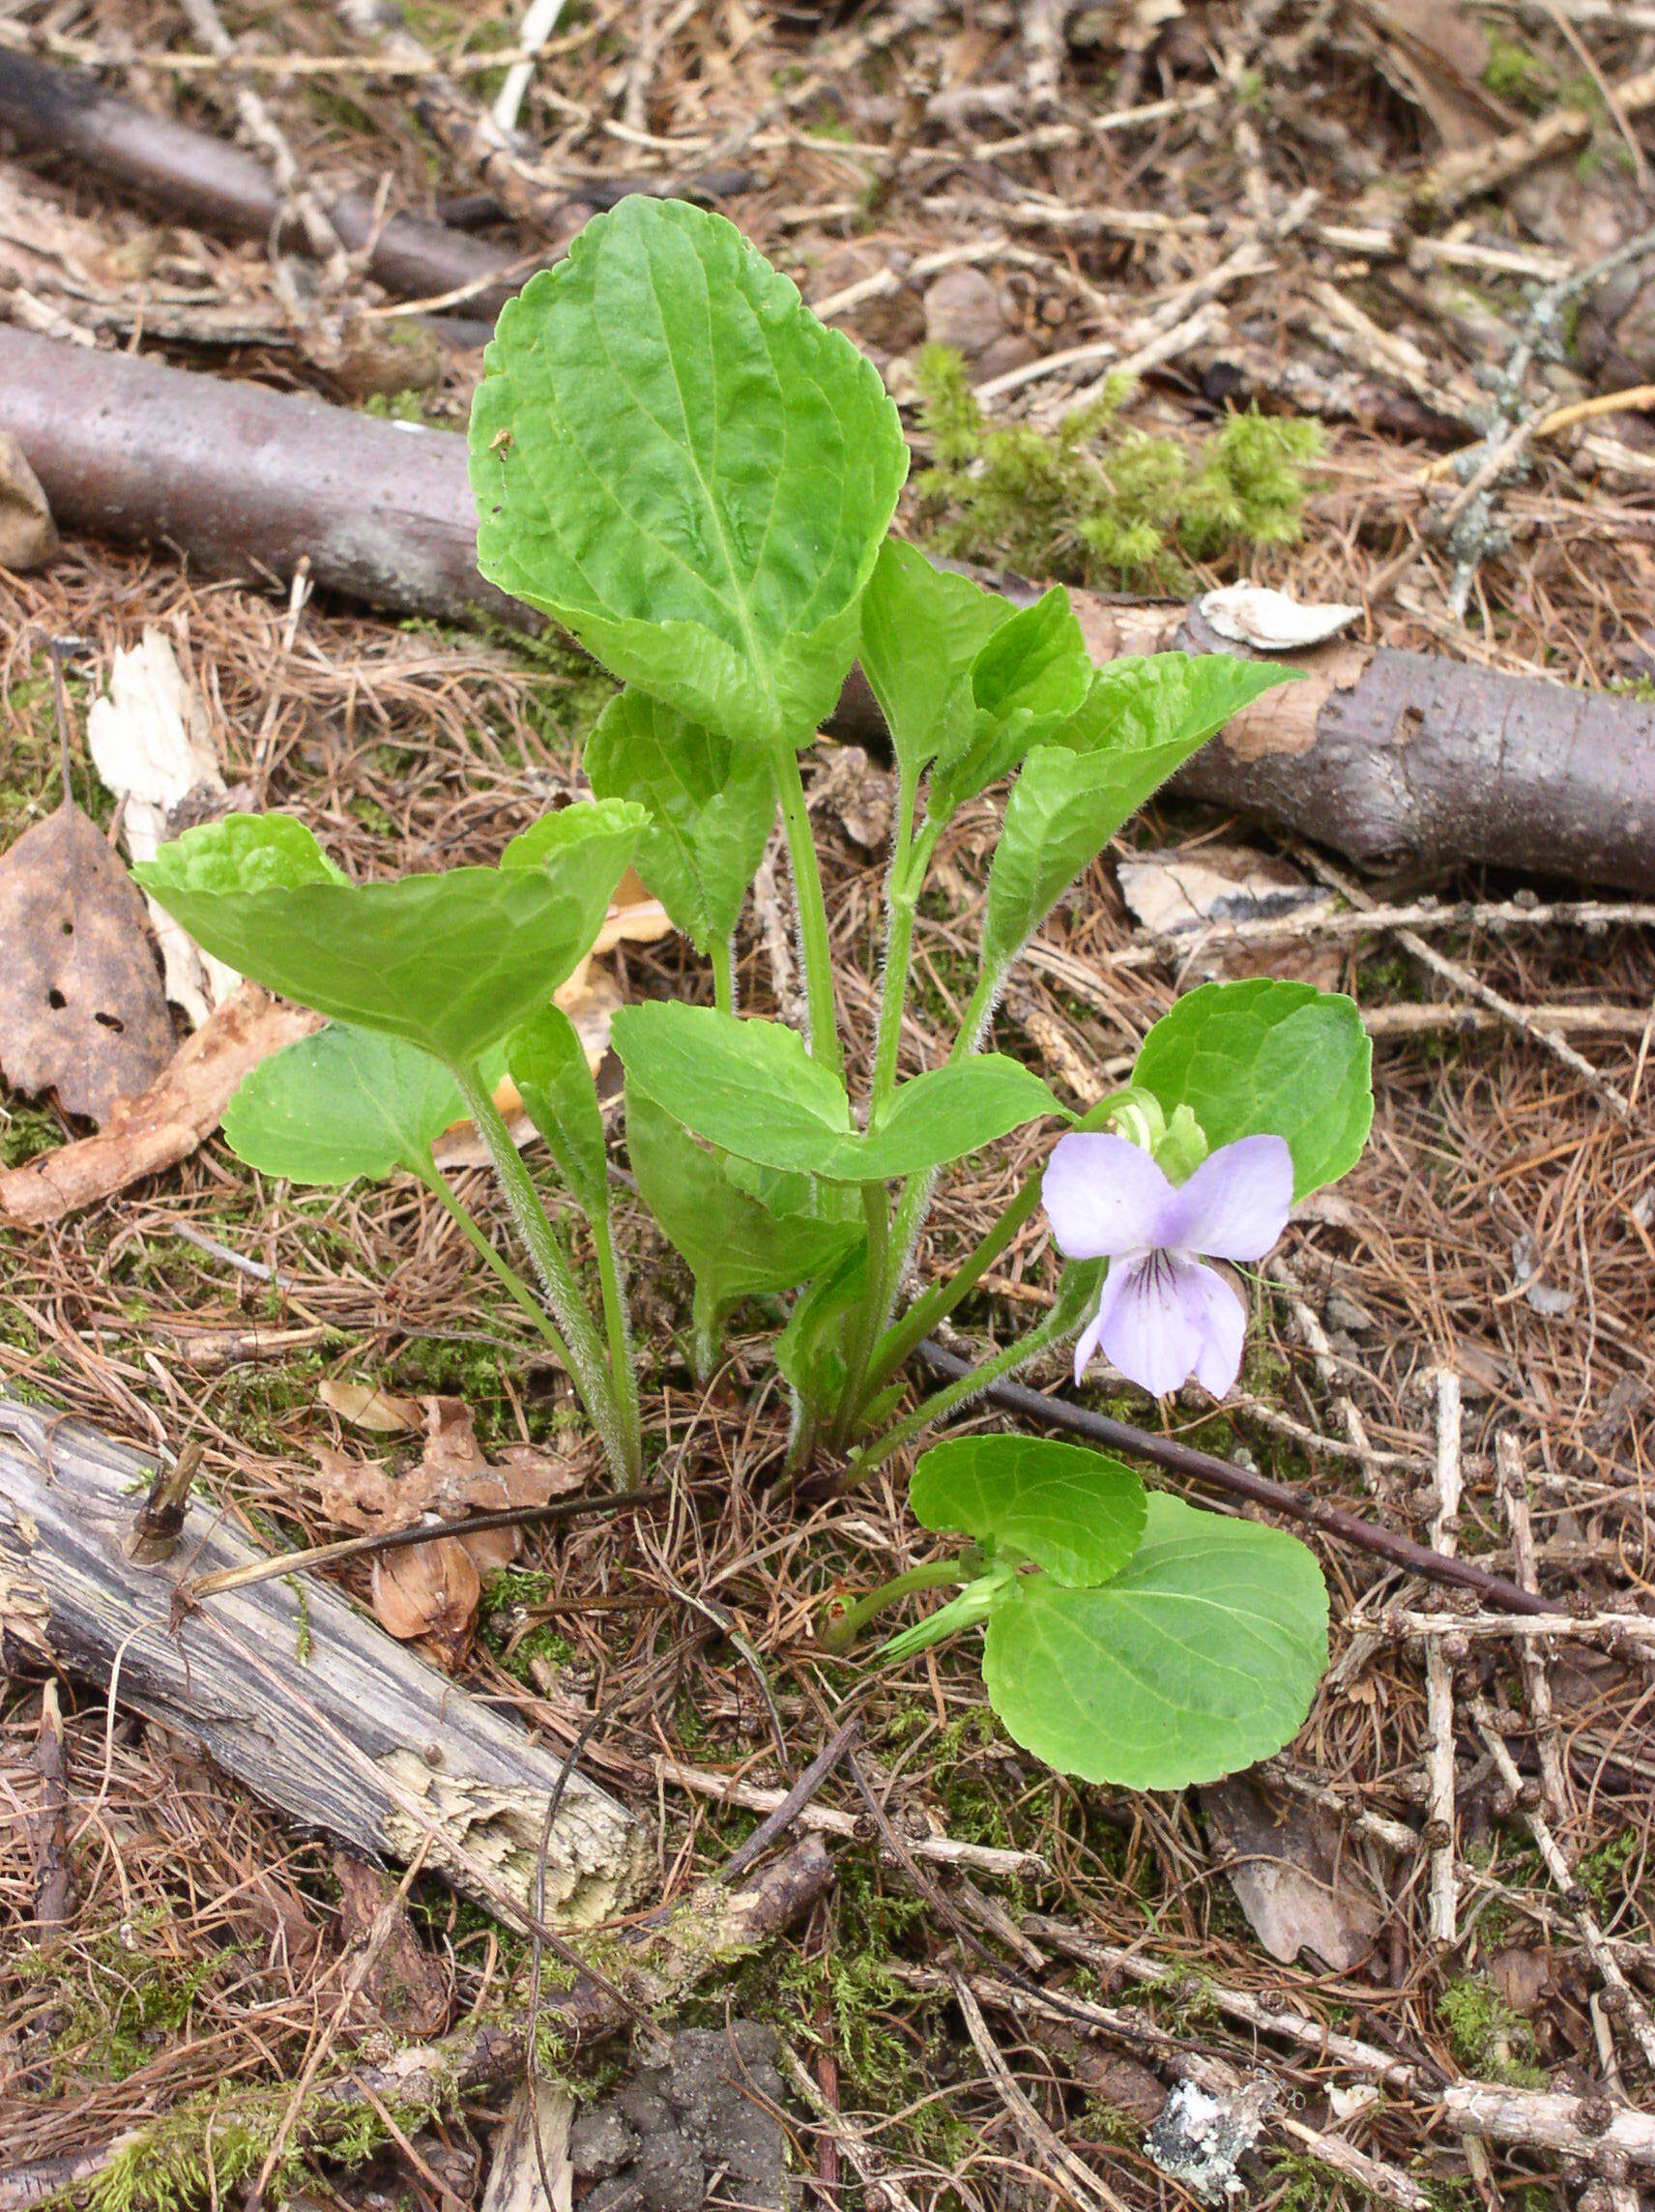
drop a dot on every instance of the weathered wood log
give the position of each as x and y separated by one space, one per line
1388 757
209 181
289 1688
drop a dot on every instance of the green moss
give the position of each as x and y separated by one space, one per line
1516 75
122 1993
26 1131
506 1597
1094 497
396 406
1487 2037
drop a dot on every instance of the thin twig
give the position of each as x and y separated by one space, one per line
1440 1676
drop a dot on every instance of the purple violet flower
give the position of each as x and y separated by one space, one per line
1163 1315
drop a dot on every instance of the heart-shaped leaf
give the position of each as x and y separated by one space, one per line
1141 721
1261 1057
750 1088
446 962
1200 1657
1074 1512
711 804
922 629
734 1247
548 1063
341 1104
672 456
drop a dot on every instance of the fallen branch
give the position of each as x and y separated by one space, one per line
1222 1475
289 1687
1385 756
215 184
669 1954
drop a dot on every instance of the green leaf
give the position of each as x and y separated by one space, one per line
673 457
1142 720
922 629
1072 1511
1200 1657
1027 681
341 1104
547 1062
710 804
734 1247
1260 1056
448 963
751 1088
1141 701
809 1352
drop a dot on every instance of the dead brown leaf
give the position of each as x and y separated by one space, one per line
81 1008
1298 1888
405 1984
428 1592
365 1406
28 534
452 1478
164 1124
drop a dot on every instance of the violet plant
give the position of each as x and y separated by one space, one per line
675 462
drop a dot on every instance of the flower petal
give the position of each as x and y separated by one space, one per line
1151 1318
1223 1327
1103 1196
1088 1345
1235 1204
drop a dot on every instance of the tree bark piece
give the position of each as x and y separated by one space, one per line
289 1688
225 190
1388 757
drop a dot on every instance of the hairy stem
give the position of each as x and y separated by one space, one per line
724 975
876 1215
815 947
938 1302
588 1365
941 1403
901 896
616 1324
856 1617
437 1184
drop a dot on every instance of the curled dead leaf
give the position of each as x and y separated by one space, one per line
365 1406
428 1592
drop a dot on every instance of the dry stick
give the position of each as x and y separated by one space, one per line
1627 1999
1381 2183
1221 1475
1047 2148
1439 1675
1631 1632
1461 980
1536 1683
49 1826
1622 2195
1315 1336
266 134
830 1821
385 1923
1592 2128
877 2184
1317 922
192 1590
795 1802
1272 2016
674 1949
1395 1835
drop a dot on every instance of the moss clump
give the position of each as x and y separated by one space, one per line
1487 2037
1515 75
1095 497
123 1991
